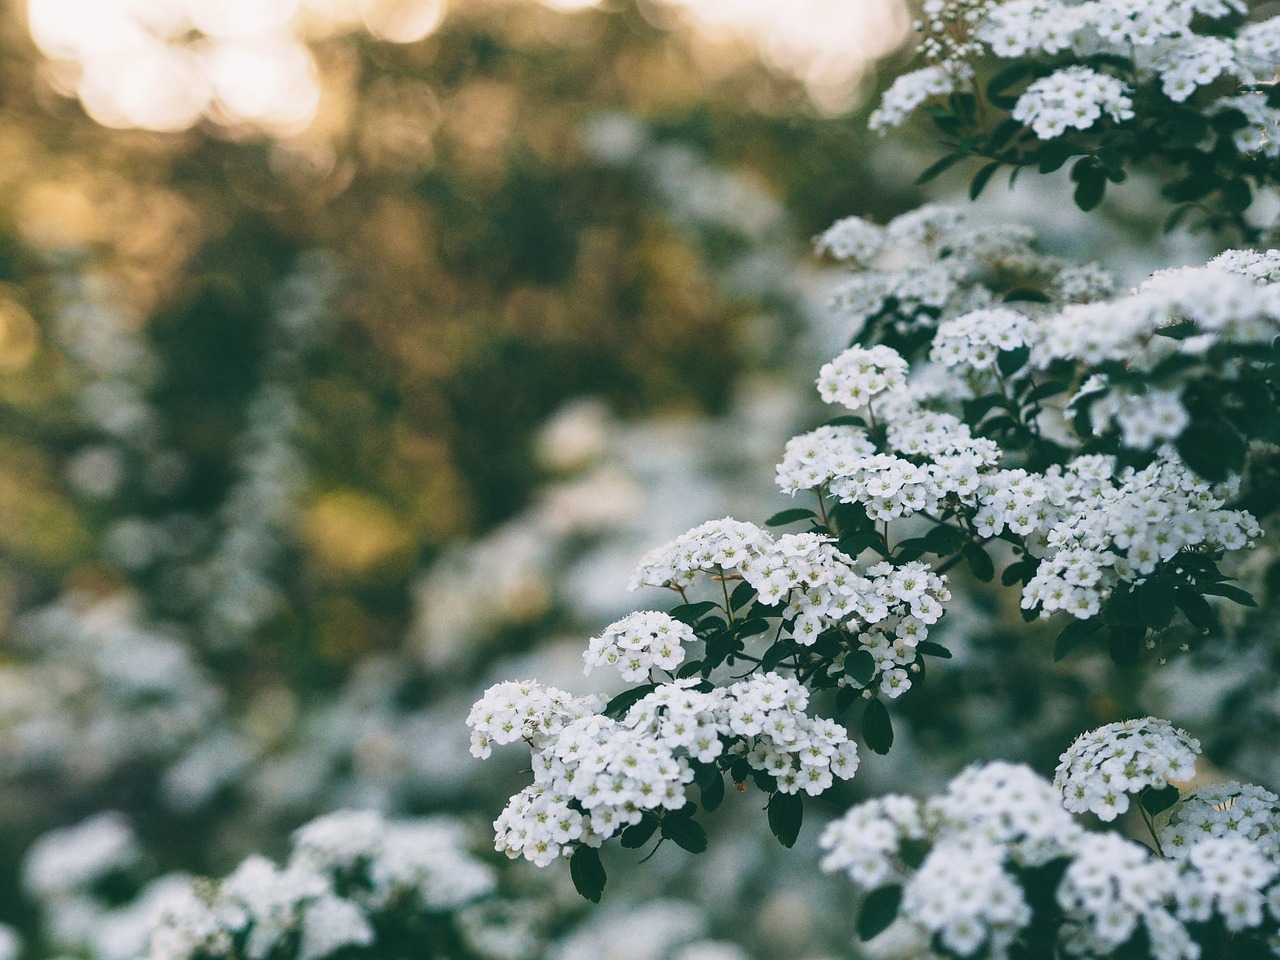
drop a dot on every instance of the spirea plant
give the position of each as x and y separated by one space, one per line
1103 85
999 414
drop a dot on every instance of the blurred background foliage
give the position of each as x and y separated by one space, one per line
269 347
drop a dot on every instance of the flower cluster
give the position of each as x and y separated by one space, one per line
351 878
1223 810
523 710
1156 42
599 775
1095 528
1111 888
1102 768
639 642
974 340
933 264
860 374
969 860
1072 97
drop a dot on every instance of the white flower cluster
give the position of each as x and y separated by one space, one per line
932 264
64 862
860 374
1158 39
974 340
962 857
1112 886
889 608
991 818
1103 767
348 874
1223 810
639 642
1072 97
1227 876
1096 529
933 456
523 710
599 775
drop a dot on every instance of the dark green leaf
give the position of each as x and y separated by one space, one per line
638 834
1026 295
1125 644
750 627
1197 609
786 814
1043 391
860 667
930 649
742 594
979 561
776 654
1155 600
691 613
685 832
1011 361
712 793
1212 447
846 696
1091 185
587 872
783 517
1074 634
1156 802
627 699
1242 597
848 420
877 728
981 178
934 169
879 909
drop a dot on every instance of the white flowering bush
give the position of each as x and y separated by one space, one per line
1035 83
997 866
999 415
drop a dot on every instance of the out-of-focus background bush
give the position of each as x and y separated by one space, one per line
351 353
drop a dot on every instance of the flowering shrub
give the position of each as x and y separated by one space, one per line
1186 84
1000 411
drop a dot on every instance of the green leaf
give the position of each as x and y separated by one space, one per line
877 728
1156 601
712 792
638 834
846 696
685 832
1242 597
860 666
1091 183
1156 802
1026 295
981 178
691 613
587 872
930 649
847 420
1125 644
1011 361
979 561
1074 634
750 627
934 169
627 699
1212 447
742 594
786 814
1043 391
1237 196
1197 609
879 909
783 517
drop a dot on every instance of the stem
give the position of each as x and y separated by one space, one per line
1151 827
